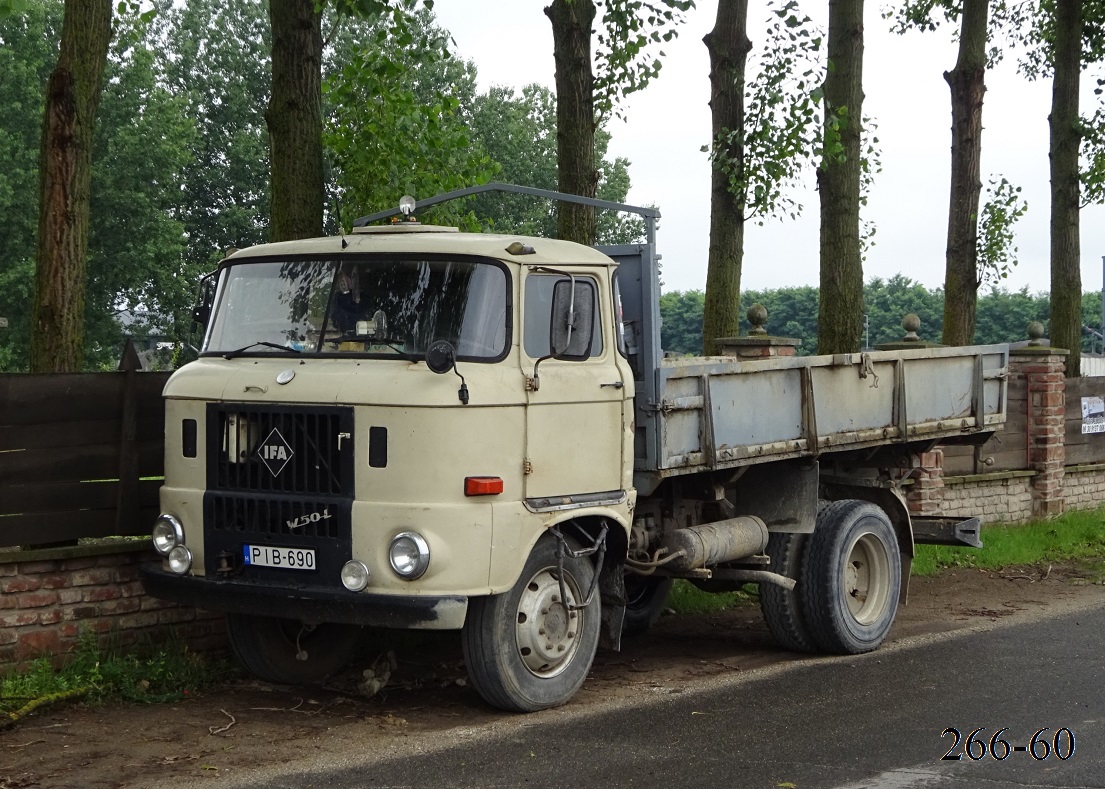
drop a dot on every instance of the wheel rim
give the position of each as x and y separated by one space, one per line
548 629
867 579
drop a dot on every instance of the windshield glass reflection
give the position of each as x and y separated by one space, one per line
373 307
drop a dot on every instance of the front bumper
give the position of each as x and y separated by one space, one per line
403 612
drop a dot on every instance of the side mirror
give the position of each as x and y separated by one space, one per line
441 357
573 320
201 312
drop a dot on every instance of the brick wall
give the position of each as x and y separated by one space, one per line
1004 497
48 598
1084 487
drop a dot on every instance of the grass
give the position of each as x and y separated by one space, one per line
686 598
167 674
1076 536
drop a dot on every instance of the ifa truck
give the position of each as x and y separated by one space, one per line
412 427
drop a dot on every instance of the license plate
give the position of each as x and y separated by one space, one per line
287 558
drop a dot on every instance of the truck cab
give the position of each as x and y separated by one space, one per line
380 429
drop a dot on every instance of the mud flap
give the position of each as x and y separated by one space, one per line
612 592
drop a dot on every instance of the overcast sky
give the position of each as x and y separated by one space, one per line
669 122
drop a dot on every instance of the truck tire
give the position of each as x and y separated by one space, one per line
267 647
525 651
782 608
645 597
851 576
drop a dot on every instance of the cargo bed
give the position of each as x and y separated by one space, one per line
719 412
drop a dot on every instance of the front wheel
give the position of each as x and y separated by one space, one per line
528 649
851 577
287 651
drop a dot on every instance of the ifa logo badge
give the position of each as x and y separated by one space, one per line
275 452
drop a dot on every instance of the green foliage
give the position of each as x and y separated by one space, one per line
686 598
1001 208
781 123
142 147
167 674
870 164
390 130
1093 152
12 7
792 312
518 132
1073 536
681 314
28 51
627 57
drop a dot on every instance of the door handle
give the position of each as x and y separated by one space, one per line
616 385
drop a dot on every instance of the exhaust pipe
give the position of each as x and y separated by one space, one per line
715 543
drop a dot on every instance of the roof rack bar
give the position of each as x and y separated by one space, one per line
647 213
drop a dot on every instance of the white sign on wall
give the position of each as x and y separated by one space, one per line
1093 415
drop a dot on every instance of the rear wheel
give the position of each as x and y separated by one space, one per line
288 651
645 597
528 649
782 608
851 577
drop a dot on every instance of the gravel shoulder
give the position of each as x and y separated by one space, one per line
249 727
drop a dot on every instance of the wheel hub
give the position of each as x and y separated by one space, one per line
548 628
866 576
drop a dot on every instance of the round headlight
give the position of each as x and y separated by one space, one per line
409 555
354 575
180 560
167 534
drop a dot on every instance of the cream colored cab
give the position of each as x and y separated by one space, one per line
408 429
574 431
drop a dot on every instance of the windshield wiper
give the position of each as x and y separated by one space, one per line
244 348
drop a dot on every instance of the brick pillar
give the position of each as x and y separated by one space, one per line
1041 368
926 495
758 344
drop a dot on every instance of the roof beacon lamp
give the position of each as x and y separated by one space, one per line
406 206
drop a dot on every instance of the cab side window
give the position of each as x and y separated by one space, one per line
538 310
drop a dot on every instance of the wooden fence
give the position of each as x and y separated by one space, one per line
81 454
1007 450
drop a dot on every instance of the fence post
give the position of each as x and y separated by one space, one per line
1043 368
126 508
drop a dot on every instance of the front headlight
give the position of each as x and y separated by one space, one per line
180 560
167 534
409 555
354 575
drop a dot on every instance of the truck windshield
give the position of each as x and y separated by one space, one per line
379 307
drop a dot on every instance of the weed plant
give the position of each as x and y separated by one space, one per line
150 675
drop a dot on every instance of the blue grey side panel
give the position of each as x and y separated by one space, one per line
639 282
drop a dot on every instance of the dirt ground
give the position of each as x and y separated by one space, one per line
216 737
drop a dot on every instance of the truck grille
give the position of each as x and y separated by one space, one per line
280 449
250 517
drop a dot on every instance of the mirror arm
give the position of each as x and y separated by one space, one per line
462 393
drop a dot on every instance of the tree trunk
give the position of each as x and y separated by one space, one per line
575 115
728 45
294 118
840 313
1066 276
72 97
967 83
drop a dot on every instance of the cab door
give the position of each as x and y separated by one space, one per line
574 418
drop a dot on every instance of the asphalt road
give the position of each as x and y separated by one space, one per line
868 721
